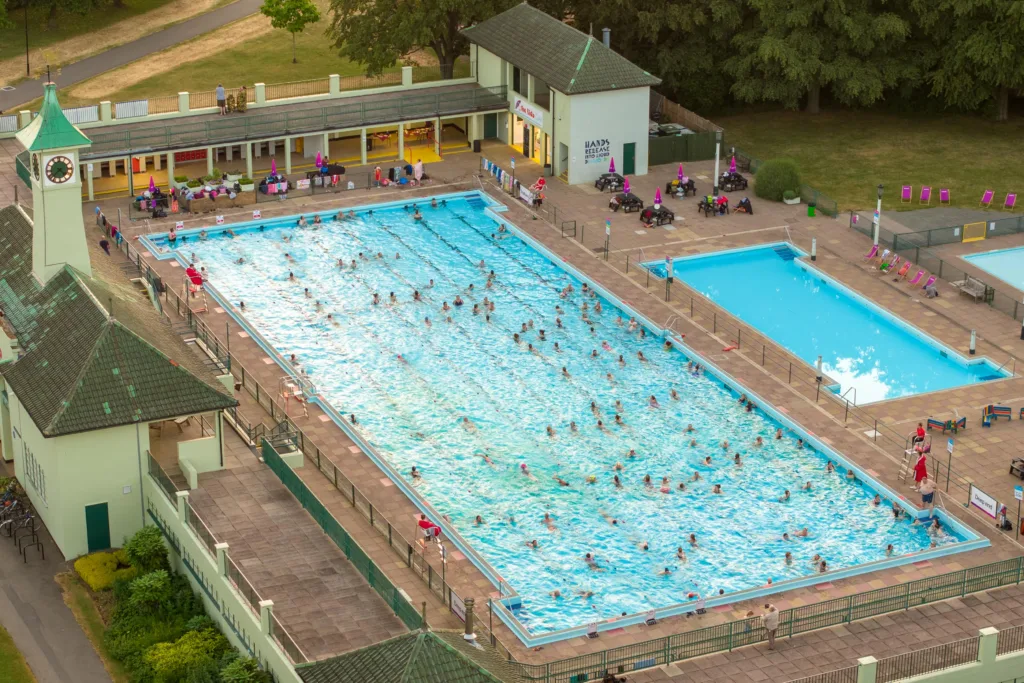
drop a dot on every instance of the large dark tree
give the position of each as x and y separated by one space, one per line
980 50
791 49
378 32
683 43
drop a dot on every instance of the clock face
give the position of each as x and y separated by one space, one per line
59 169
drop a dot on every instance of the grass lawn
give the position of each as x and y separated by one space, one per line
79 600
13 668
846 154
69 24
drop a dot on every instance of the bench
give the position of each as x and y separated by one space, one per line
971 287
1017 467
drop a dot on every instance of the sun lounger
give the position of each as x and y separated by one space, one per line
944 196
926 196
887 267
883 257
930 282
917 278
871 254
1011 201
902 271
907 194
986 199
971 287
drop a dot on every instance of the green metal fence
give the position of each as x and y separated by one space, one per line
255 126
356 555
672 148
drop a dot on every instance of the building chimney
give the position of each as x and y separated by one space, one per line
607 37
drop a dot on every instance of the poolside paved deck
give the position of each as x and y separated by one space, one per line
982 455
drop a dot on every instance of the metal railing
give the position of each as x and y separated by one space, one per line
163 481
913 246
928 660
243 585
402 106
199 528
1010 640
283 91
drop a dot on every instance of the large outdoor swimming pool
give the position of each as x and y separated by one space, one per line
1005 264
411 385
863 347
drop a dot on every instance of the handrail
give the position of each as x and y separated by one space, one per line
854 390
1014 369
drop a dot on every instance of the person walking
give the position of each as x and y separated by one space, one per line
927 491
221 100
770 621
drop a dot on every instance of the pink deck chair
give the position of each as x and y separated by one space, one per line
887 267
929 283
943 195
871 254
986 199
902 274
916 278
1011 201
926 195
907 195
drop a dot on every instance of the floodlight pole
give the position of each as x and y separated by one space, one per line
718 155
878 215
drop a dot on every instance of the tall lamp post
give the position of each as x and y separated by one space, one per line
878 214
28 70
718 154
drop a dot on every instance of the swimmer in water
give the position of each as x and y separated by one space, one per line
641 357
618 420
617 481
802 533
758 442
532 544
681 554
829 467
877 500
717 489
707 460
693 541
415 473
889 550
647 481
778 434
690 428
799 443
393 299
573 428
479 520
789 558
565 372
549 522
673 395
561 482
632 453
807 486
551 431
737 461
468 424
426 321
693 443
725 445
376 298
653 402
784 497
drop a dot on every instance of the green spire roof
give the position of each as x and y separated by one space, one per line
51 129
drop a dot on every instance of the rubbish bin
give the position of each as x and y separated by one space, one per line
810 210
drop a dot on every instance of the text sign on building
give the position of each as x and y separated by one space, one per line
458 607
984 502
597 151
529 112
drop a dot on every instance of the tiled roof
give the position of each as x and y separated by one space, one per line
568 60
417 657
82 369
51 128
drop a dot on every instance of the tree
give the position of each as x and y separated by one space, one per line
791 49
372 32
982 50
681 43
291 15
146 550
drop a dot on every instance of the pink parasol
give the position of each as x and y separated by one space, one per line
273 166
611 166
625 186
657 196
319 160
152 185
732 164
679 174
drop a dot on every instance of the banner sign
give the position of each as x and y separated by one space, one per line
984 502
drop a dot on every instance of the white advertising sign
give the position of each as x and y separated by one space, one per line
526 195
984 502
529 112
220 220
180 225
458 607
257 214
597 151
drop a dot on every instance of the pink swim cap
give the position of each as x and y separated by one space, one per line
522 465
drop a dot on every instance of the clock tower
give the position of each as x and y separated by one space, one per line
58 230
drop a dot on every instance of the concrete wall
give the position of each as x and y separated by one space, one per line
103 466
616 116
489 68
205 454
246 630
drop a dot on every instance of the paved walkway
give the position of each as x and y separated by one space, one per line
26 91
32 609
841 646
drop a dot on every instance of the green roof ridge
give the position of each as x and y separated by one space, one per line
51 128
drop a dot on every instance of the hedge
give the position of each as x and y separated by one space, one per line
774 177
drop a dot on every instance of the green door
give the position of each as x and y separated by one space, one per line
490 126
97 527
629 158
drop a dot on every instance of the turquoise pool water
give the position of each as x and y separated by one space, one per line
411 385
1005 264
862 346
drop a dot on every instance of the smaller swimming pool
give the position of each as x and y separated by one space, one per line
863 347
1005 264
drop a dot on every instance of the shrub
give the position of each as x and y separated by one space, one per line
150 591
244 671
195 649
181 178
146 550
789 194
245 180
774 177
194 183
97 570
200 622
